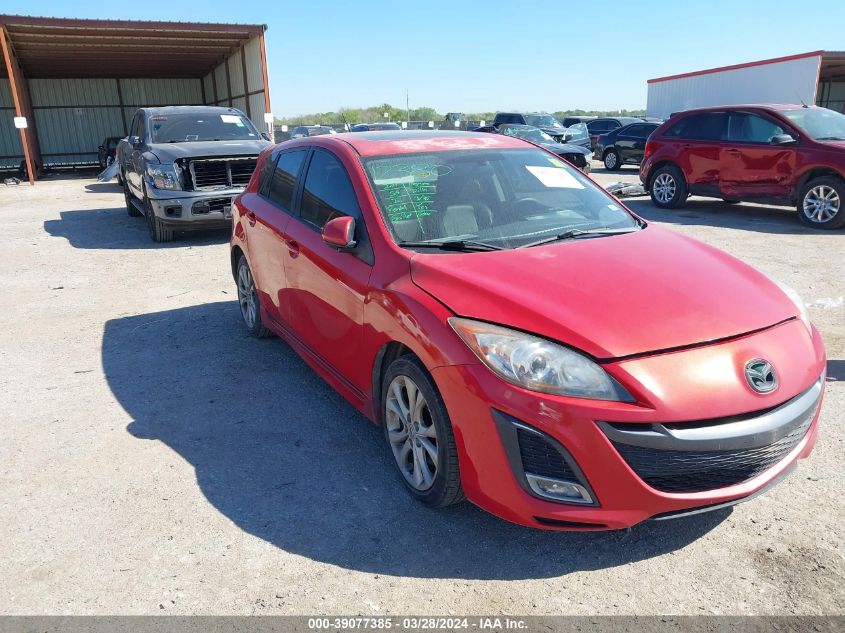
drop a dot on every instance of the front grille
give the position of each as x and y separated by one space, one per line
222 205
695 471
221 173
541 458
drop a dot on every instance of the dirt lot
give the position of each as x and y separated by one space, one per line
156 460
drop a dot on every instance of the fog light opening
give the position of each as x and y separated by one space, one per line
558 489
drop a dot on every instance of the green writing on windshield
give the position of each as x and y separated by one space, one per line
408 200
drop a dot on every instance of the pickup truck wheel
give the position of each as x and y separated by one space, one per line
612 162
159 232
131 209
821 202
668 188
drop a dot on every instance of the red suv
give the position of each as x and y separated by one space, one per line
522 338
773 154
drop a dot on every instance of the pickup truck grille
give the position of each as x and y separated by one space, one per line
221 173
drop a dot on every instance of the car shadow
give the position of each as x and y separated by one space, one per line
114 229
285 458
104 187
746 216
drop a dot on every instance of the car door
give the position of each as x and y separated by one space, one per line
698 143
631 141
135 171
751 166
326 288
268 216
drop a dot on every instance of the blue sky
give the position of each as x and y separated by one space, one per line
470 56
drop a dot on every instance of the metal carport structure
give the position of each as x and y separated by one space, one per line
78 81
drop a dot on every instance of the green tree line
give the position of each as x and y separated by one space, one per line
375 114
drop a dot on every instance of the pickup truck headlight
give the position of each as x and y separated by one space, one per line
165 176
537 364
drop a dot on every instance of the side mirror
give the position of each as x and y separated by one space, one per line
134 141
265 136
339 233
783 139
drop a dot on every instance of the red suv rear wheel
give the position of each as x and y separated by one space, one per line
668 187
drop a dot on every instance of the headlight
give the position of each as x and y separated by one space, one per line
165 176
537 364
799 303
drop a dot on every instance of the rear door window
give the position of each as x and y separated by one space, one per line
283 183
707 126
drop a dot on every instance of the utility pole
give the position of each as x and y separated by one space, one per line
407 109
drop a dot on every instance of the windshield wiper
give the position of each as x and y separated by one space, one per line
574 234
830 138
453 245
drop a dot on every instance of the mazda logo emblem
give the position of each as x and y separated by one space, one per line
760 375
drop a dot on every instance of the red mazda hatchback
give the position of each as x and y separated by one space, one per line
523 339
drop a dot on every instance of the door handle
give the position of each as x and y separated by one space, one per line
293 247
250 216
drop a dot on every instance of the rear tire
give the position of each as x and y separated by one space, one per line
159 231
248 300
820 204
419 434
668 188
612 161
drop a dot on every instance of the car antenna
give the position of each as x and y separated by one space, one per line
801 99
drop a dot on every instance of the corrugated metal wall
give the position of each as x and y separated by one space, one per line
73 116
254 83
778 82
11 150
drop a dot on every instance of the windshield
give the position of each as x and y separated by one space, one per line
529 134
507 198
576 132
186 128
542 120
820 123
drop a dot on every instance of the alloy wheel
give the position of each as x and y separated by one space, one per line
664 188
821 203
610 161
246 296
411 433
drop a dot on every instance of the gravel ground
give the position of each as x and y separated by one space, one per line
156 460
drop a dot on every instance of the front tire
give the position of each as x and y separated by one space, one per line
419 434
612 162
159 231
248 300
668 188
820 204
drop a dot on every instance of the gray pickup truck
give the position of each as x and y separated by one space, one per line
181 166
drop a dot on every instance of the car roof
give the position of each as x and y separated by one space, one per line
408 142
202 109
751 106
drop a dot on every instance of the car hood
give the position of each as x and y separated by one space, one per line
610 297
554 131
566 148
168 152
